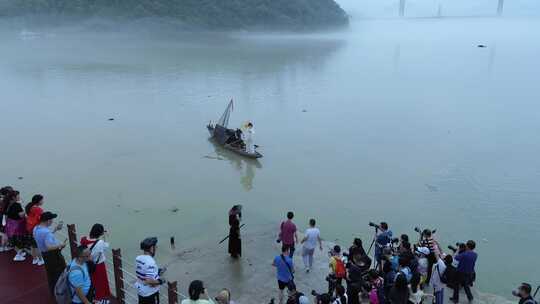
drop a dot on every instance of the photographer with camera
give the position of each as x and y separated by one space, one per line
383 239
524 294
427 241
338 271
465 271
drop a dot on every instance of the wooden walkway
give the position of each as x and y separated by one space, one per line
22 282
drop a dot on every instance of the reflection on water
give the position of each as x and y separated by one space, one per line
245 166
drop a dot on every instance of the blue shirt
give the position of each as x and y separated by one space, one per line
283 272
44 238
78 279
467 261
383 239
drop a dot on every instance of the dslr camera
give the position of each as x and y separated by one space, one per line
460 247
372 224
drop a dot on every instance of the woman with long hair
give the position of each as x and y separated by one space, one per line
33 213
16 225
197 294
235 243
97 245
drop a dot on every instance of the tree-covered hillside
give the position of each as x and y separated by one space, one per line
222 14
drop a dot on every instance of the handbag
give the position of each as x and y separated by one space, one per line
290 285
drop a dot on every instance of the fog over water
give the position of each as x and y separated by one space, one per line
403 120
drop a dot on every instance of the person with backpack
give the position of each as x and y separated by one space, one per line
97 245
33 213
147 271
524 294
79 279
284 272
338 272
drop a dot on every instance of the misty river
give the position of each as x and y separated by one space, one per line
406 121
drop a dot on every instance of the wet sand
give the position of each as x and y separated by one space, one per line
251 279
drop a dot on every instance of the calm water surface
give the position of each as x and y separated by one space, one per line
404 121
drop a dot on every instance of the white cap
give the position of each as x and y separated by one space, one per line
423 250
303 300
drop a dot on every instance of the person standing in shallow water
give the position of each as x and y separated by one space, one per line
288 235
235 244
312 236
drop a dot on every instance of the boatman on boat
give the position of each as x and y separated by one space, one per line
248 137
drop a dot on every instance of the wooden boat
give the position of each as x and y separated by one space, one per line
228 138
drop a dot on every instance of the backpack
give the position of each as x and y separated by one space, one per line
443 277
341 272
530 301
62 289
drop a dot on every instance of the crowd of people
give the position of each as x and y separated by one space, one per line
402 271
31 230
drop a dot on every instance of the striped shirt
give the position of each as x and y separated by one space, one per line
146 268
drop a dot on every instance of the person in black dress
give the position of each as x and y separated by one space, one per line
235 245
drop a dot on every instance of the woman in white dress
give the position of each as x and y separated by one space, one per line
249 134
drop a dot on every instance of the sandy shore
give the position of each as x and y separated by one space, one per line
252 278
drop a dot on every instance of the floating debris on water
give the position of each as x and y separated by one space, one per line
174 209
304 111
432 188
20 177
482 45
111 119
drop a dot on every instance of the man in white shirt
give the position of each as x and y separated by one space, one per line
311 237
147 272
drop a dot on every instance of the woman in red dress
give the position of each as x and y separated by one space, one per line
96 242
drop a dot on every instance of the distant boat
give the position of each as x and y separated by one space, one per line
228 138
